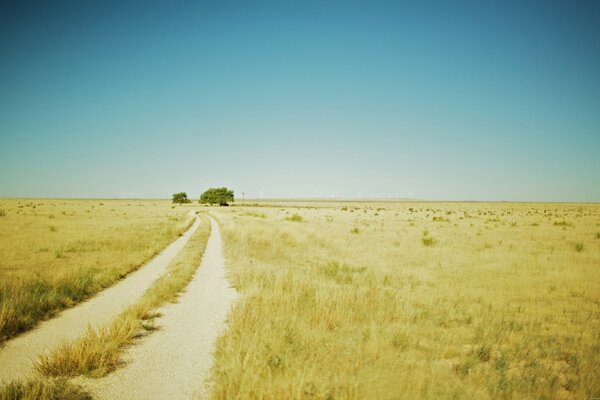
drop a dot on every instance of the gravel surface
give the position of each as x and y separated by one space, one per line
17 356
174 361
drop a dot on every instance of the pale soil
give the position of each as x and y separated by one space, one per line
17 356
174 361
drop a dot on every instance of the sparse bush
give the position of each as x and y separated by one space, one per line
400 340
562 223
294 218
428 241
254 214
355 231
52 228
440 219
598 235
579 247
484 353
3 212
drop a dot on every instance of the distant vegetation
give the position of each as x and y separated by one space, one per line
181 198
221 196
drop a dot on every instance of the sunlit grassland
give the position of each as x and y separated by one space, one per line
412 300
55 253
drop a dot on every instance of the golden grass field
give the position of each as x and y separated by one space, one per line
411 300
55 253
338 300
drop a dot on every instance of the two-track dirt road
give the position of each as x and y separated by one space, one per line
174 362
17 356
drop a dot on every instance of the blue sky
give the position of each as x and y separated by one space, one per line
447 100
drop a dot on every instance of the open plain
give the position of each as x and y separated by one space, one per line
335 300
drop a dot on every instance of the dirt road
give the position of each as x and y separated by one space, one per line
18 355
174 362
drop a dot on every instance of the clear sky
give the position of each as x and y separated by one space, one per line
475 100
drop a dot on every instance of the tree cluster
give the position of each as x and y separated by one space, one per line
221 196
181 198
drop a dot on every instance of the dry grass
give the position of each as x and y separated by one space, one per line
43 390
98 352
56 253
503 305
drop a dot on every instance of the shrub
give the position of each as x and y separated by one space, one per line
428 241
181 198
294 218
562 223
355 231
579 247
2 212
52 228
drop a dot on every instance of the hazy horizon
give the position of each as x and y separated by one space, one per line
444 101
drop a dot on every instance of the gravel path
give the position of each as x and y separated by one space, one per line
174 361
18 355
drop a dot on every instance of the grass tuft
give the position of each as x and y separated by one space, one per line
43 390
3 212
562 223
254 214
579 247
428 241
294 218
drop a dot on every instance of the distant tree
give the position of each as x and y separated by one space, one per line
221 196
181 198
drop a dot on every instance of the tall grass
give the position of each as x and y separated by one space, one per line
324 315
43 272
36 389
98 352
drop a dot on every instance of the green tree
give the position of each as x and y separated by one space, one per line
221 196
181 198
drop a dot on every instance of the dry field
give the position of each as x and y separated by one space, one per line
55 253
411 300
